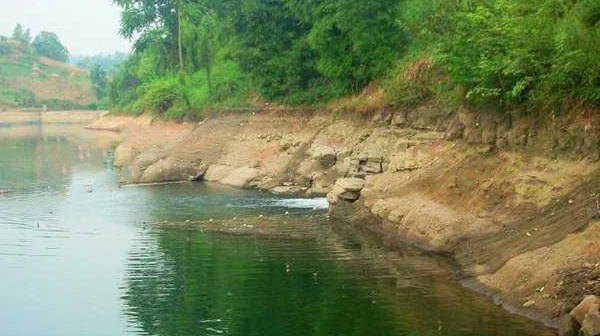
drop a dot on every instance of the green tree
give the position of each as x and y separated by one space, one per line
21 34
99 81
48 44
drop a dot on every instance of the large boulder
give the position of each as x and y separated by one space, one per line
124 155
326 156
346 189
241 177
216 172
169 170
149 157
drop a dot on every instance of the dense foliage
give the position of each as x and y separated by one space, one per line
193 54
99 81
541 54
200 53
21 34
48 44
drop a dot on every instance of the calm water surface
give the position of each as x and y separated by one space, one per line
81 256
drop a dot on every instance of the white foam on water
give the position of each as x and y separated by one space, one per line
302 203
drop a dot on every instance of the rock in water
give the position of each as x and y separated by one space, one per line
347 189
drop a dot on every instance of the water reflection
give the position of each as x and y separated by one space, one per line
188 282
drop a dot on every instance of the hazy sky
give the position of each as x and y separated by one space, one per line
84 26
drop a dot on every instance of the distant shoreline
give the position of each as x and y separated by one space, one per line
71 116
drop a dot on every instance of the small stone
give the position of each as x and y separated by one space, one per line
529 304
571 201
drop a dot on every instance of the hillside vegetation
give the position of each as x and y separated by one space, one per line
32 80
537 55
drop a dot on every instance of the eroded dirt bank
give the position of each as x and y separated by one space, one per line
511 200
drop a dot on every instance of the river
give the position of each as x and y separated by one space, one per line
80 255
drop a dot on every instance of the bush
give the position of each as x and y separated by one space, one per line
164 95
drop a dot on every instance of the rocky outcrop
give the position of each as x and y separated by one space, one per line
325 156
216 172
347 189
124 155
241 177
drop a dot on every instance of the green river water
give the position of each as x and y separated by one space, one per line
81 256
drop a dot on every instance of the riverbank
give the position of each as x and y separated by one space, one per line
511 200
